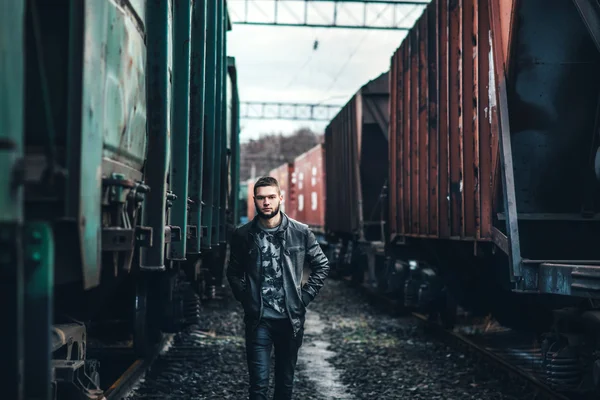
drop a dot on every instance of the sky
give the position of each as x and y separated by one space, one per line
281 64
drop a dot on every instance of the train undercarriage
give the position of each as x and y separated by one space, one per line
95 330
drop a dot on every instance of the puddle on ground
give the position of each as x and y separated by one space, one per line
314 354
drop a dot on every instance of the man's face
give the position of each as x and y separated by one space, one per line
267 201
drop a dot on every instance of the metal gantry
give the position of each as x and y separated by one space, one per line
287 111
346 14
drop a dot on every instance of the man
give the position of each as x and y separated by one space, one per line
265 274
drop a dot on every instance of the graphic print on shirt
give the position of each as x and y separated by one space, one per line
272 287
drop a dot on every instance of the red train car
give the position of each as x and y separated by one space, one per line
309 179
467 162
283 174
494 154
444 126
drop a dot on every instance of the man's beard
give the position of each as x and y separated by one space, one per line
266 216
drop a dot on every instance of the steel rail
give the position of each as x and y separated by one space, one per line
545 391
124 383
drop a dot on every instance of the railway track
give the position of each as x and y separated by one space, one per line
516 359
135 372
499 357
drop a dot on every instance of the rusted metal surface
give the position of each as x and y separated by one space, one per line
392 149
309 175
284 175
494 121
442 165
355 141
432 120
423 140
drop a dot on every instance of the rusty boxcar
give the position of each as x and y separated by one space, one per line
356 146
309 179
494 183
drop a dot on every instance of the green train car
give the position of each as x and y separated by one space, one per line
119 170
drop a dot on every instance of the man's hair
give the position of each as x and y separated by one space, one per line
267 181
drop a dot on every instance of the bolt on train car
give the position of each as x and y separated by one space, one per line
468 174
119 170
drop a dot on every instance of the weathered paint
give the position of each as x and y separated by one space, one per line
197 118
124 106
155 173
506 15
99 120
12 88
356 171
180 124
309 176
210 110
433 118
233 131
219 128
225 144
439 80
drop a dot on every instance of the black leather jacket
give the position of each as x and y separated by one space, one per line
244 271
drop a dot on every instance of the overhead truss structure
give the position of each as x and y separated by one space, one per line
288 111
346 14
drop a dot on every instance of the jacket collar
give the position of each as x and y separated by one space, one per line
285 222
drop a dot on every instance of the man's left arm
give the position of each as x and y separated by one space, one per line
319 267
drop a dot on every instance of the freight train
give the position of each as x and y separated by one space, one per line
468 174
119 170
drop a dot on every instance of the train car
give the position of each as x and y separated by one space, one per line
494 193
356 145
119 158
285 176
309 176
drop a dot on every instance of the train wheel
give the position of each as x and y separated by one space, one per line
145 326
174 306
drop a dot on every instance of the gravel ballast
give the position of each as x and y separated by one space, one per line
351 350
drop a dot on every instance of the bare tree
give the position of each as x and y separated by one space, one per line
270 151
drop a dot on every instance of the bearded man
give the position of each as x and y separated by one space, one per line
265 269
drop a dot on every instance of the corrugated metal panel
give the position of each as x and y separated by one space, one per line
309 177
283 174
355 147
441 163
342 215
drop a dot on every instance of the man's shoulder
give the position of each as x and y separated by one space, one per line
242 230
297 225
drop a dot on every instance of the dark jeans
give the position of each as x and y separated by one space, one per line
271 333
